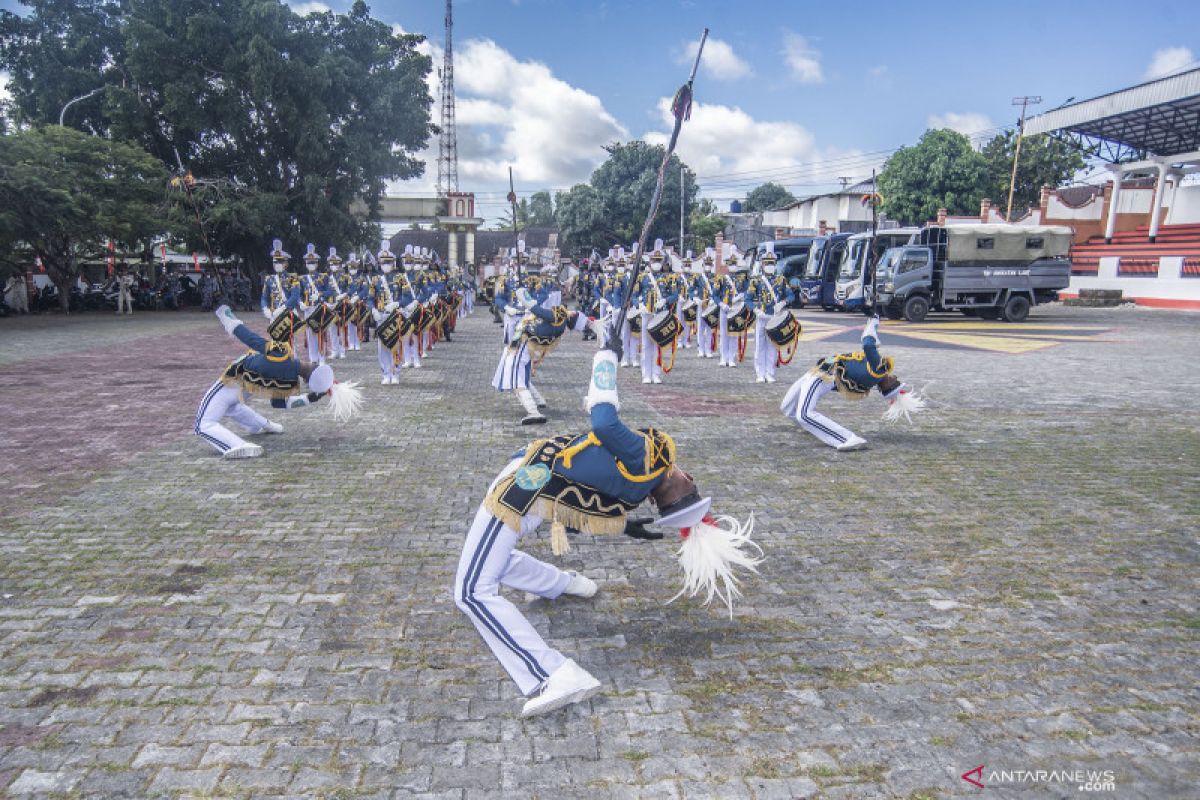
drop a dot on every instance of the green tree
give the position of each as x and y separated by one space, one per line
941 171
505 222
63 194
767 196
61 50
625 182
581 219
1044 162
541 210
294 124
703 226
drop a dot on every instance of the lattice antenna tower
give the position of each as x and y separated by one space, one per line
448 143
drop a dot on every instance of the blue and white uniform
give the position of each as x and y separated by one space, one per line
851 375
539 332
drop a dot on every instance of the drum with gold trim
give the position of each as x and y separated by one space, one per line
783 329
635 323
285 325
664 328
390 329
711 315
690 311
740 318
319 318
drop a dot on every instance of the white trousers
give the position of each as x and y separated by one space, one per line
387 364
412 355
685 335
766 354
800 403
336 347
627 342
352 335
729 345
649 352
222 401
314 346
124 301
488 561
703 336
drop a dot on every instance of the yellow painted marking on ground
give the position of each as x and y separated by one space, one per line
811 331
999 344
1006 327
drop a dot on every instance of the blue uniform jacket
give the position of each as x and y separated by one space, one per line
271 360
868 371
293 294
596 466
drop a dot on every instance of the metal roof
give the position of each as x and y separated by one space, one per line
1159 118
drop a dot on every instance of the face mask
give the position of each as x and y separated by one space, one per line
353 272
386 268
279 268
769 269
310 267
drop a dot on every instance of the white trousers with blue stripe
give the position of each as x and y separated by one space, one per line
488 561
222 401
800 403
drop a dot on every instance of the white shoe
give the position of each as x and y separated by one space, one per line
580 586
385 380
760 379
568 684
770 379
731 364
341 355
272 427
699 354
657 379
245 451
395 380
645 380
708 355
853 443
416 365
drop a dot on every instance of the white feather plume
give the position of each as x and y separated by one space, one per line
345 399
904 404
709 555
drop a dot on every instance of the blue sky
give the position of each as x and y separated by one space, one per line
800 92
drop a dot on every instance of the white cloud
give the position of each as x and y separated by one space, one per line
1169 60
306 8
880 77
804 62
516 113
719 61
725 139
968 123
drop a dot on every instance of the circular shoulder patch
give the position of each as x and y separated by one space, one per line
533 477
605 376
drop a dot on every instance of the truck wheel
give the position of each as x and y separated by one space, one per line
1016 309
915 309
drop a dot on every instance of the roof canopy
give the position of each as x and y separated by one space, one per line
1160 118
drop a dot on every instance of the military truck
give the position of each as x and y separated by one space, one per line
988 271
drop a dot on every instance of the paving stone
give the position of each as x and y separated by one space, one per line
1009 581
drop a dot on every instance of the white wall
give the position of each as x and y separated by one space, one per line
1186 207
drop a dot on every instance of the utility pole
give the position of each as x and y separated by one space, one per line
682 207
1023 102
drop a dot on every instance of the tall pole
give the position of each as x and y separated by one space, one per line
62 114
1023 102
682 208
512 198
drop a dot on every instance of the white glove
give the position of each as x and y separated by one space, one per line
378 315
267 314
278 312
603 386
871 330
411 308
341 296
524 298
433 297
390 307
228 320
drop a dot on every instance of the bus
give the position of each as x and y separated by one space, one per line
793 259
820 273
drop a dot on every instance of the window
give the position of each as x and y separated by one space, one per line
1035 243
913 261
985 243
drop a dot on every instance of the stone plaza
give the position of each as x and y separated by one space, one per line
1010 583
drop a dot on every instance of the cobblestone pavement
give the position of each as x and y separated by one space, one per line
1009 583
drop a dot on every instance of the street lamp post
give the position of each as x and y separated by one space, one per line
62 114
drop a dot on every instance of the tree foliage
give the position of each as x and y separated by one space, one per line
767 196
541 210
294 124
611 208
941 171
1044 162
63 194
703 226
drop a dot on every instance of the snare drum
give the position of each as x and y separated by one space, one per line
690 311
284 326
712 315
783 329
319 318
390 329
635 323
664 328
740 318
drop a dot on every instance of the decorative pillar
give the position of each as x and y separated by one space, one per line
470 257
985 205
941 217
452 246
1110 226
1160 186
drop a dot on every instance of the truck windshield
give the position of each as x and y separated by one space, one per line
813 268
792 266
852 259
887 264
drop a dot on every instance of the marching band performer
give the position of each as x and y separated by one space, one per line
410 304
280 289
540 332
339 337
768 295
358 288
589 482
728 296
314 295
383 303
650 300
852 376
270 370
681 269
702 290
